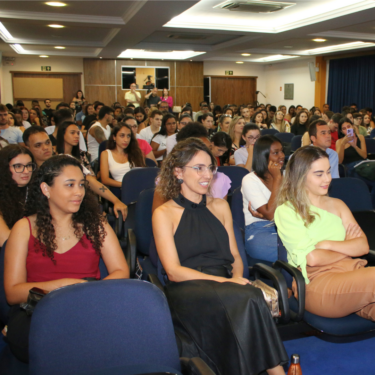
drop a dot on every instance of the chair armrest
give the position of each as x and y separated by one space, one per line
153 279
131 252
301 287
279 283
195 366
119 224
370 256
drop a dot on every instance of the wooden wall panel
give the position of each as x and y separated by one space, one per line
99 72
189 73
71 84
105 94
192 95
37 87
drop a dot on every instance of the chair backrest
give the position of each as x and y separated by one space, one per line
353 191
342 171
282 255
102 147
101 325
296 142
150 163
4 307
268 131
135 181
236 174
103 269
143 220
238 233
285 137
372 134
370 145
237 208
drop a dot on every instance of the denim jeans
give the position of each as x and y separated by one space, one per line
261 240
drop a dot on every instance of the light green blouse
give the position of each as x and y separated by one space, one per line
298 240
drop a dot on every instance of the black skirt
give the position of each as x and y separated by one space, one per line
228 325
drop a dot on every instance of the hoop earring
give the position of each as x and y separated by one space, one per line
180 180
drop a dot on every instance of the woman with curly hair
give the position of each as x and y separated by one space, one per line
59 243
197 248
16 169
122 154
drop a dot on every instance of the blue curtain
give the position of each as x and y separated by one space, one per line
351 80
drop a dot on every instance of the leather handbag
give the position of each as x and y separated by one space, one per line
271 296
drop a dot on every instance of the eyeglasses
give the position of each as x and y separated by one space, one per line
251 138
19 168
202 169
134 126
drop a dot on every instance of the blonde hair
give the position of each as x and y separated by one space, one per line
168 186
233 125
293 188
283 122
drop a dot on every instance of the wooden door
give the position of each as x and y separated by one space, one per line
233 90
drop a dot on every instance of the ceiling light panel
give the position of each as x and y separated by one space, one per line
274 58
203 15
55 26
338 47
55 4
167 55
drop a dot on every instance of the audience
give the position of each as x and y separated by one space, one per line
301 123
258 119
224 123
235 133
11 133
279 123
155 118
243 157
184 120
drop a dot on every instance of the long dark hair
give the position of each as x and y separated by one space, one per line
87 219
297 122
60 146
222 139
76 96
140 110
163 128
12 197
261 154
135 155
341 123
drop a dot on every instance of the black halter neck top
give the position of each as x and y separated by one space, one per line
201 239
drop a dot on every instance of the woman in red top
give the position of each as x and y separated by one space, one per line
58 244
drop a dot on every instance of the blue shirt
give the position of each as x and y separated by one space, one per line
12 134
333 162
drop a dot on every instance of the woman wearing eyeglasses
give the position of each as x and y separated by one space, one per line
259 192
197 248
16 169
244 155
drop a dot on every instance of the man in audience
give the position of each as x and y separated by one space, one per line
358 120
97 107
171 140
132 96
325 107
152 97
100 131
147 133
62 105
48 110
38 142
11 133
203 110
245 113
143 145
354 107
164 107
251 109
320 136
271 113
333 125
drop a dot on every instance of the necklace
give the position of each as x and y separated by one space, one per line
63 238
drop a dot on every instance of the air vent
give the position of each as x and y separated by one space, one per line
254 6
187 36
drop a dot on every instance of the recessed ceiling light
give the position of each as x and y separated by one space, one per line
167 55
44 56
55 4
56 26
338 47
60 47
100 57
319 40
245 54
274 58
239 62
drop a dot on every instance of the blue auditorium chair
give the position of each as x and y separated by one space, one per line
237 208
106 327
150 163
296 142
372 134
236 174
285 137
370 145
268 131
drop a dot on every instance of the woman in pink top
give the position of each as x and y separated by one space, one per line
167 98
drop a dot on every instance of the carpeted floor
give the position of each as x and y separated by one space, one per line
322 357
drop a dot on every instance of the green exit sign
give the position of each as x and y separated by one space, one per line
229 72
46 68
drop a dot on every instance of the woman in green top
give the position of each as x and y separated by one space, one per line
321 237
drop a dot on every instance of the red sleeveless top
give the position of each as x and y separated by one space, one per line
79 262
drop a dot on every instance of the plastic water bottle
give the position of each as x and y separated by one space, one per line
295 367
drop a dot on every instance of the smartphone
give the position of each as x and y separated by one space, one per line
350 132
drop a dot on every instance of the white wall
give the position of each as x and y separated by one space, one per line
297 72
218 68
33 64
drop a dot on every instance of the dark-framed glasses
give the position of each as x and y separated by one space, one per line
251 138
202 169
19 168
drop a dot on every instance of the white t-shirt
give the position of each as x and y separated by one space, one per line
171 142
130 96
92 144
253 190
241 155
26 124
147 134
162 140
82 143
117 170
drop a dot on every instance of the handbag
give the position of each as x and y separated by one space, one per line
271 296
35 295
366 169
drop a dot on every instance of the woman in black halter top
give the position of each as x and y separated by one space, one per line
217 315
